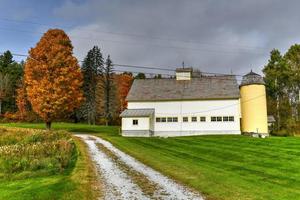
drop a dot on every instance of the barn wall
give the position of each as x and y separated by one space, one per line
143 123
180 109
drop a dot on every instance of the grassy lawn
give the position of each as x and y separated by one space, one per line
221 167
84 128
77 182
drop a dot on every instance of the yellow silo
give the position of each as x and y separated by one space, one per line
253 104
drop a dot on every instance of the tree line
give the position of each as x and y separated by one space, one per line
10 75
282 78
51 85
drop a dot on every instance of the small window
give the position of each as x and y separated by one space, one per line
194 119
175 119
135 122
202 119
163 119
213 119
169 119
185 119
231 118
219 119
225 119
158 119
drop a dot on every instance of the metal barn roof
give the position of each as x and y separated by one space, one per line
207 87
137 113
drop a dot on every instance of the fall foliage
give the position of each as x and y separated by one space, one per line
22 101
123 82
52 76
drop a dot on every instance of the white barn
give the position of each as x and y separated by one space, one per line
183 106
201 105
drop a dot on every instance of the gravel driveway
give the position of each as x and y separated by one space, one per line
124 177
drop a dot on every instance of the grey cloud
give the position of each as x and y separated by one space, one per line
226 35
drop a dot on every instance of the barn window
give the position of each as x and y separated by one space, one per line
185 119
213 119
194 119
225 119
135 122
231 118
202 119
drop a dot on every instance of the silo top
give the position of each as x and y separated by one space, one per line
252 78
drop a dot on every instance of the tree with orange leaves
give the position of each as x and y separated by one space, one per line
123 82
21 101
53 78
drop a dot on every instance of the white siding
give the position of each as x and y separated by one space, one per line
143 123
206 108
183 75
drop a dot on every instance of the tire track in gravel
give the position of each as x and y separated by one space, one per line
126 178
148 188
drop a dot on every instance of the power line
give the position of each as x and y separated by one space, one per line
168 69
145 67
205 50
246 47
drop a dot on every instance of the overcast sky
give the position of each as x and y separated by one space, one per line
213 36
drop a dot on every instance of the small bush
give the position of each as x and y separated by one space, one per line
31 150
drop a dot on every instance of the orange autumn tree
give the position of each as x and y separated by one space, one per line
21 101
53 78
123 82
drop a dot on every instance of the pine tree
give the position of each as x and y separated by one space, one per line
92 67
140 76
109 91
53 78
5 87
13 70
5 60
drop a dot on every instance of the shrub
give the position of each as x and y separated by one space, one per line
31 150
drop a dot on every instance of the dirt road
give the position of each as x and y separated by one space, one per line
126 178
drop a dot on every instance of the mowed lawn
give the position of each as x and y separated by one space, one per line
221 167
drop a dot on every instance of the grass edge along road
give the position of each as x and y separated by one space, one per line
220 167
78 182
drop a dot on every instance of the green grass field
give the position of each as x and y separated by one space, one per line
80 128
221 167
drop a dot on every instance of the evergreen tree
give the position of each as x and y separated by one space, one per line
158 76
5 60
5 87
140 76
109 91
92 67
13 70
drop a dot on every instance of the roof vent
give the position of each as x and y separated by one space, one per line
184 74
